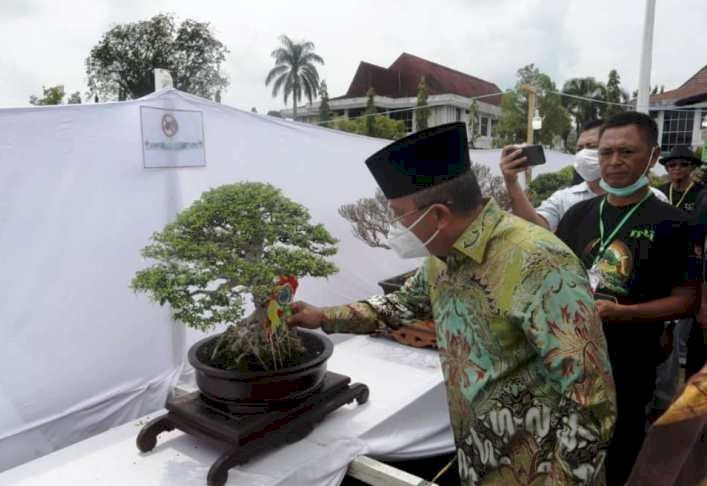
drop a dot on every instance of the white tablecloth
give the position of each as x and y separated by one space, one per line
406 416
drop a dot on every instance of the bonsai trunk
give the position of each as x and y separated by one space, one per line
249 345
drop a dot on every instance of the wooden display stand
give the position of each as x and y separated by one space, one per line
245 434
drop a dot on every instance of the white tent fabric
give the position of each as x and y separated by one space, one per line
81 353
381 428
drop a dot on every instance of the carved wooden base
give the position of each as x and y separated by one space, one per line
247 435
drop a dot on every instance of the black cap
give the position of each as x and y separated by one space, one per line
421 160
683 153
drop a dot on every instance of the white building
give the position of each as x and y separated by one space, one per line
680 112
450 95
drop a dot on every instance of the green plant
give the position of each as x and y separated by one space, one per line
542 187
53 95
422 114
473 123
370 112
233 243
324 111
383 126
121 64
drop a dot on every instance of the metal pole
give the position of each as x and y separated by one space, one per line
644 76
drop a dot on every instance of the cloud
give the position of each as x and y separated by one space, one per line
490 39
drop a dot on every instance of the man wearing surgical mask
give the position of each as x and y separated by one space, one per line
529 388
550 211
640 266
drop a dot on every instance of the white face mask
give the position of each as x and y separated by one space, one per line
404 242
586 163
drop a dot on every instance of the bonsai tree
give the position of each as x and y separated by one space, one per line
236 242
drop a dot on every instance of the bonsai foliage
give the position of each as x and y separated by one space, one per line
231 244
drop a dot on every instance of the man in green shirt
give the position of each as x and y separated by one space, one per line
529 385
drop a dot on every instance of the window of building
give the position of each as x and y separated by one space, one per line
405 116
484 126
494 123
355 112
459 114
677 129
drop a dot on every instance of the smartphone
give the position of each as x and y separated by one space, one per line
600 296
534 154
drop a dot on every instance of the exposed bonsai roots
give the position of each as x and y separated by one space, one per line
246 346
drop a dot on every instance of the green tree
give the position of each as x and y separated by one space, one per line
324 111
588 108
295 71
121 64
74 98
370 113
473 123
541 187
513 122
53 95
512 125
614 94
234 243
422 113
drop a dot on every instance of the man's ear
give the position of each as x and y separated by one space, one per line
443 214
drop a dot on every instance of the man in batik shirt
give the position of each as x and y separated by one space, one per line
529 385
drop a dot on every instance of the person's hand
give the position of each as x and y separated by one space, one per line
305 315
512 163
610 310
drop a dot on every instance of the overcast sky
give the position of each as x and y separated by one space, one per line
45 42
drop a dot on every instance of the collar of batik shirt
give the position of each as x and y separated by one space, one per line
473 241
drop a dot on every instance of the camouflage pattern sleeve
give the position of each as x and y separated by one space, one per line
560 320
409 304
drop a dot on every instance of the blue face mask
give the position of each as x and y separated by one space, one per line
640 183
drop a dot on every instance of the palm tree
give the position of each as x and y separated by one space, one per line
294 71
584 110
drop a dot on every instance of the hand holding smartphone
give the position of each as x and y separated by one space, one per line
534 154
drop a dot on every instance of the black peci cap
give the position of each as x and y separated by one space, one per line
421 160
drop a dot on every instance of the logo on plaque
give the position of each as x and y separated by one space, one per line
169 125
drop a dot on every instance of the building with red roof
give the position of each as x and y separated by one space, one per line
682 112
450 95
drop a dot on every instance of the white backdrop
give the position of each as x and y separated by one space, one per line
80 352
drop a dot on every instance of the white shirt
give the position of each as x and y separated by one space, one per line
554 207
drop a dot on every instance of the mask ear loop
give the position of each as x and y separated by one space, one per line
650 159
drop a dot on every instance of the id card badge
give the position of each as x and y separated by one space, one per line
594 277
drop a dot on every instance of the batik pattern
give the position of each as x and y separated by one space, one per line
529 385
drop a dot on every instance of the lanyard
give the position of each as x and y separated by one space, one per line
670 194
604 243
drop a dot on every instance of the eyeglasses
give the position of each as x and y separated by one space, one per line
671 164
393 218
